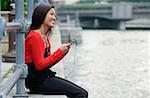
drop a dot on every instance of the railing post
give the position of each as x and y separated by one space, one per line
0 49
36 2
77 21
0 62
0 7
2 33
30 8
68 20
20 91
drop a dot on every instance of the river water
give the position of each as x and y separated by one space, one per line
111 64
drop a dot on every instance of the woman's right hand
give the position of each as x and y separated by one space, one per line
65 47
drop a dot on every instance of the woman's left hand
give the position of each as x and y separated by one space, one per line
65 47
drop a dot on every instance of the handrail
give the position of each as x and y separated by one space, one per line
11 81
20 69
14 25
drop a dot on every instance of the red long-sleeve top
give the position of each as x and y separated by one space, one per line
35 50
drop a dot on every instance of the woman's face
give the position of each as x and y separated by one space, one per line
50 18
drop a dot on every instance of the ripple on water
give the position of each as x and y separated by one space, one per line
113 64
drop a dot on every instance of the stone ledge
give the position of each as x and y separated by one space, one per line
46 96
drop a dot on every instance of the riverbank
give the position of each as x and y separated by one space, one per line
112 64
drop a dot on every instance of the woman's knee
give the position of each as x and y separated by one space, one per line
85 93
82 93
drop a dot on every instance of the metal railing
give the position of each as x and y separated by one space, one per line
20 69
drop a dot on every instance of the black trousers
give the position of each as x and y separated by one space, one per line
45 82
59 86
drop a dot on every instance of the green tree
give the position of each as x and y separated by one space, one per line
5 5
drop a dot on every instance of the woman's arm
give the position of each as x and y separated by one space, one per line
38 50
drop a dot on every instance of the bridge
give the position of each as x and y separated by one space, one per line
114 15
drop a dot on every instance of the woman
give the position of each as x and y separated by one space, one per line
39 59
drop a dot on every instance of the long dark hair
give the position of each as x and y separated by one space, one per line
38 16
